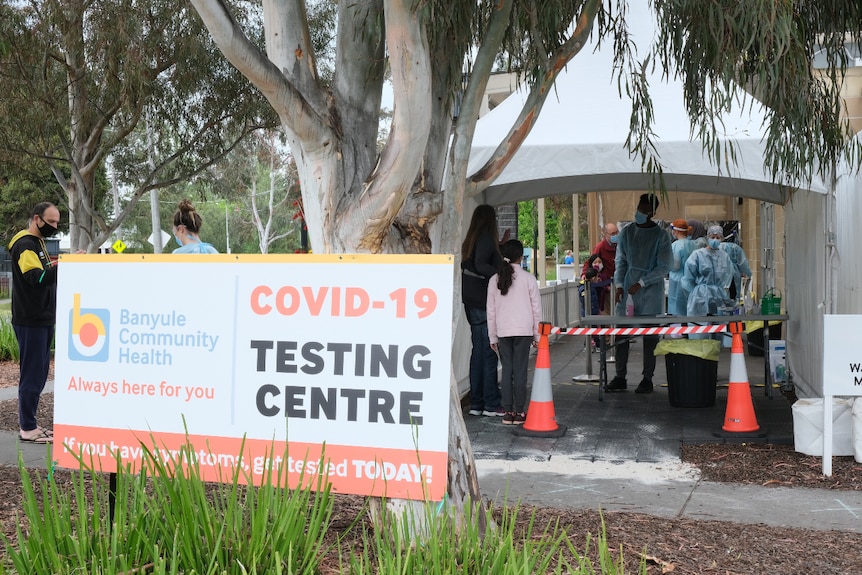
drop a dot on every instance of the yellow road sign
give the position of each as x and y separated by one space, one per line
118 246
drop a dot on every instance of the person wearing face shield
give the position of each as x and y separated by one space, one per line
644 257
34 313
683 246
708 275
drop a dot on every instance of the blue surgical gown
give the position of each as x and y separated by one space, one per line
708 274
677 296
740 264
643 254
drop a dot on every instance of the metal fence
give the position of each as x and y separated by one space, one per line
561 304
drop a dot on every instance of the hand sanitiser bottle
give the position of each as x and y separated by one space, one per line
630 306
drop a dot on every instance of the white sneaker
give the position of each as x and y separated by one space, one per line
475 412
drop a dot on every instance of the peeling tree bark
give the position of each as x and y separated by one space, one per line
391 206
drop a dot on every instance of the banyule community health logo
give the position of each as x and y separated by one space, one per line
88 337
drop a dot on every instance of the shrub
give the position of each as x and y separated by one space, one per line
8 342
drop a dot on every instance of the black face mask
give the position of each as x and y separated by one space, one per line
46 229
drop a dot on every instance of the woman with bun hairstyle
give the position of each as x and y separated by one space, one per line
187 229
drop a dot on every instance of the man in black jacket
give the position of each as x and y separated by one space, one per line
34 313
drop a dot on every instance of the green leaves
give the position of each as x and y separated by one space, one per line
767 48
168 522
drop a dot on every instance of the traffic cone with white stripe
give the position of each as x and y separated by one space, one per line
541 419
739 415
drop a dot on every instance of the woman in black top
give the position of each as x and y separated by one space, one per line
480 258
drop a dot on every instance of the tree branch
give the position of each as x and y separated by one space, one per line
388 185
296 112
536 99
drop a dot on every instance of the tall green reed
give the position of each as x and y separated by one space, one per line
457 545
167 519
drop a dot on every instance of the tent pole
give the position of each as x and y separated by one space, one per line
542 263
576 226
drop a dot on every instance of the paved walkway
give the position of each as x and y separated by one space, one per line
621 453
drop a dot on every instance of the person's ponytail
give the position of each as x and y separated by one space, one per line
512 252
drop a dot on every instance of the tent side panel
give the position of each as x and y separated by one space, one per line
848 238
805 269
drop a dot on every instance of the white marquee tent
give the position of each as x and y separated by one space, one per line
578 146
578 142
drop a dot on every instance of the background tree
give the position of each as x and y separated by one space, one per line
79 77
21 189
357 200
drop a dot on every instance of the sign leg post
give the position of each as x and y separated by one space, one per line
827 435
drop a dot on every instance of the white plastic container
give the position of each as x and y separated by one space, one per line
808 426
856 430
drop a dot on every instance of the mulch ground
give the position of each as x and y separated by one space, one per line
677 545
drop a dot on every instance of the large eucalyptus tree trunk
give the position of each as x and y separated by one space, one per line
408 197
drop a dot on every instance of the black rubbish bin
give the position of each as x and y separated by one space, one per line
691 379
754 340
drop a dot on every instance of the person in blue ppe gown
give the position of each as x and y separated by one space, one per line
697 233
644 257
187 231
708 275
740 267
683 246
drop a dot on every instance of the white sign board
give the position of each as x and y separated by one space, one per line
842 371
332 366
842 355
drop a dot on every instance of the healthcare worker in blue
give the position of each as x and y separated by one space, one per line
740 267
187 231
683 246
644 257
708 275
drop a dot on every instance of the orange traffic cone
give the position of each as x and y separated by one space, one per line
541 420
739 416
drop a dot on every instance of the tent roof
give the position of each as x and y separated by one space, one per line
578 142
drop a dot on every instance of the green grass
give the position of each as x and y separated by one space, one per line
169 522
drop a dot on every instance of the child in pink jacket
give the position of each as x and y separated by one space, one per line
514 311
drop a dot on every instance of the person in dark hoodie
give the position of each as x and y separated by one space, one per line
34 313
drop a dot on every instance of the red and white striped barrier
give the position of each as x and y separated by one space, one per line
664 330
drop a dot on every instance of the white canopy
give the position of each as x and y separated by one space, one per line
578 146
578 142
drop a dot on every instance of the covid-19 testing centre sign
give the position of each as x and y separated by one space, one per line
332 367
